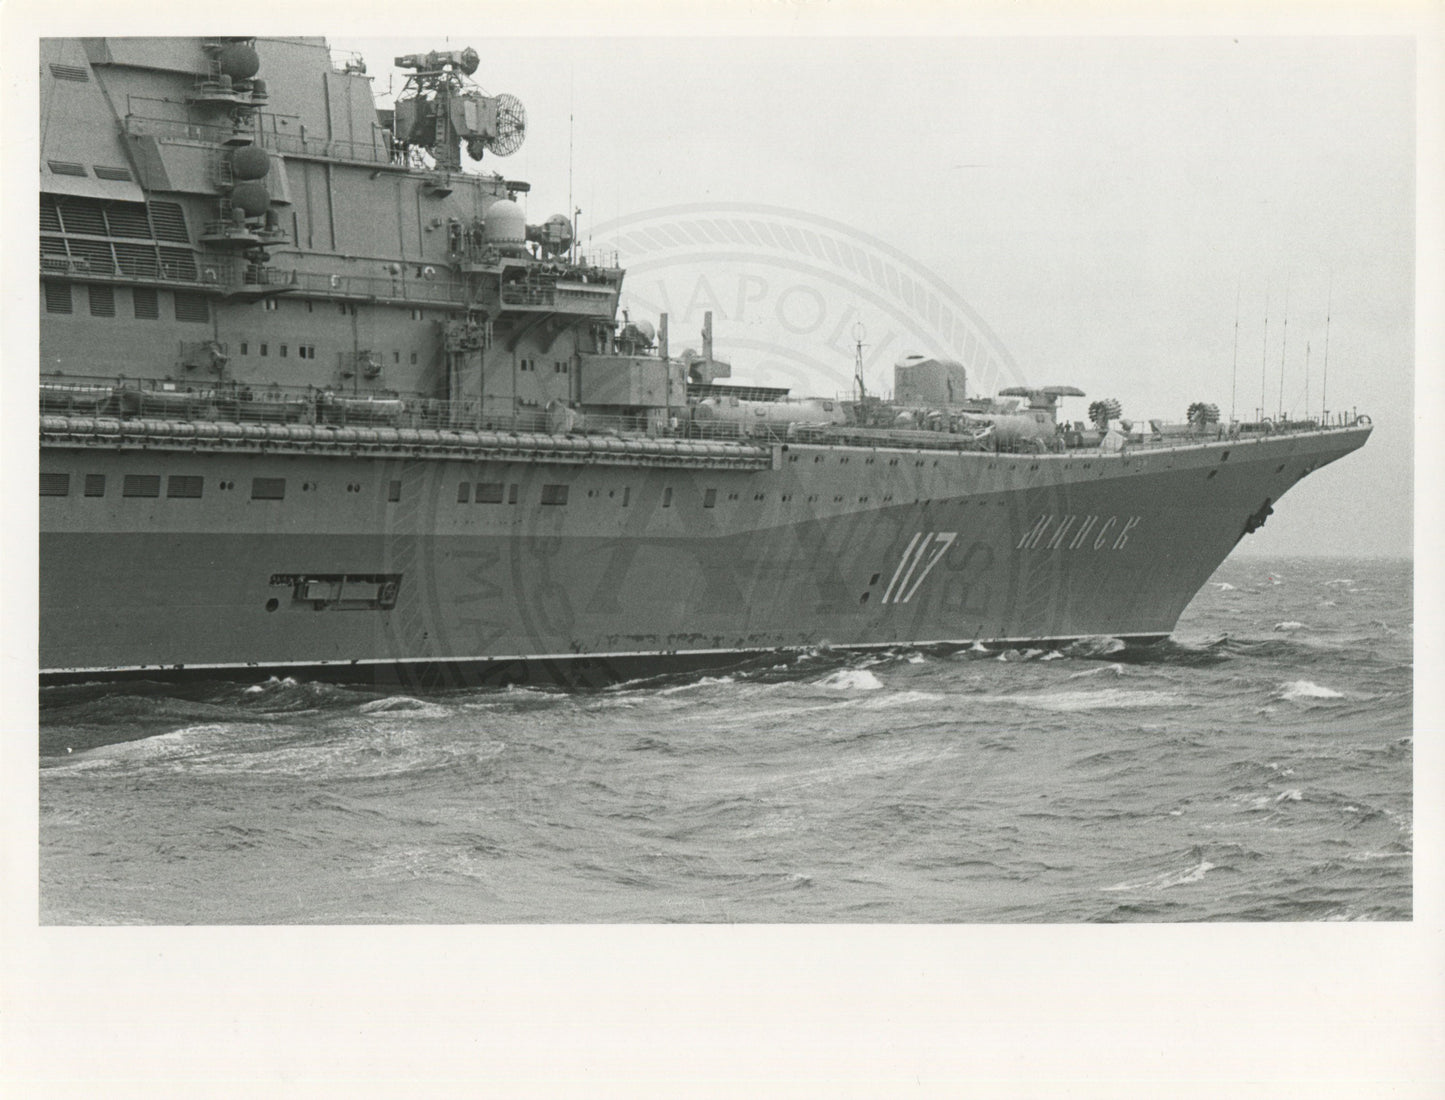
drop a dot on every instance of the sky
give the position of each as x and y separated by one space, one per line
1105 207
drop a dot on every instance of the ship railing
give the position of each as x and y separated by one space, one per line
129 268
528 294
269 134
202 399
1184 435
155 126
606 259
288 134
437 289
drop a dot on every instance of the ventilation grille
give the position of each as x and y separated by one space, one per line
147 303
268 488
102 301
77 73
192 307
141 485
554 494
95 485
135 230
169 221
489 492
104 173
66 168
185 486
57 297
54 485
178 263
128 219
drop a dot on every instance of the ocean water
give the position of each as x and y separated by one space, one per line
1256 767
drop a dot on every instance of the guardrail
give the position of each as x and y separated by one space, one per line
253 403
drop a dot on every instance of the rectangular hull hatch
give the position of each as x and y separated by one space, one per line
340 591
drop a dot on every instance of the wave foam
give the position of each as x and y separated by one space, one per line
851 679
1166 879
1289 624
1308 689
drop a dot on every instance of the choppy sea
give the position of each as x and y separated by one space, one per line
1256 767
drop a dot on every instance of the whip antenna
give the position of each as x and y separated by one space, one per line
1324 383
1284 342
1234 368
1264 357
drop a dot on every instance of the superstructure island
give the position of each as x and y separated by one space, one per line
316 399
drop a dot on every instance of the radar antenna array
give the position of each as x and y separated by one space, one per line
511 126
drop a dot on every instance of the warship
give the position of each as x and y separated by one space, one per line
316 399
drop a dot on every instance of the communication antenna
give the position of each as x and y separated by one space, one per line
1264 357
1284 342
1324 383
1234 368
858 333
1307 379
571 90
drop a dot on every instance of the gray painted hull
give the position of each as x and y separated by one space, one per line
832 546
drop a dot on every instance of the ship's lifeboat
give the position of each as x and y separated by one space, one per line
338 409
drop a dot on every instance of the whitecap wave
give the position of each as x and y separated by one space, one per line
403 704
1104 699
1114 669
1289 624
701 682
1223 586
851 679
1166 879
1308 689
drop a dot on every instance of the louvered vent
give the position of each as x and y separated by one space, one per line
66 168
186 486
49 216
146 302
54 485
57 297
178 263
141 485
83 216
128 219
102 301
170 222
137 259
77 73
92 256
104 173
192 307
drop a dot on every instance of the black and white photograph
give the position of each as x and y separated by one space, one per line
510 483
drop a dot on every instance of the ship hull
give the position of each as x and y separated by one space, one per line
595 572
